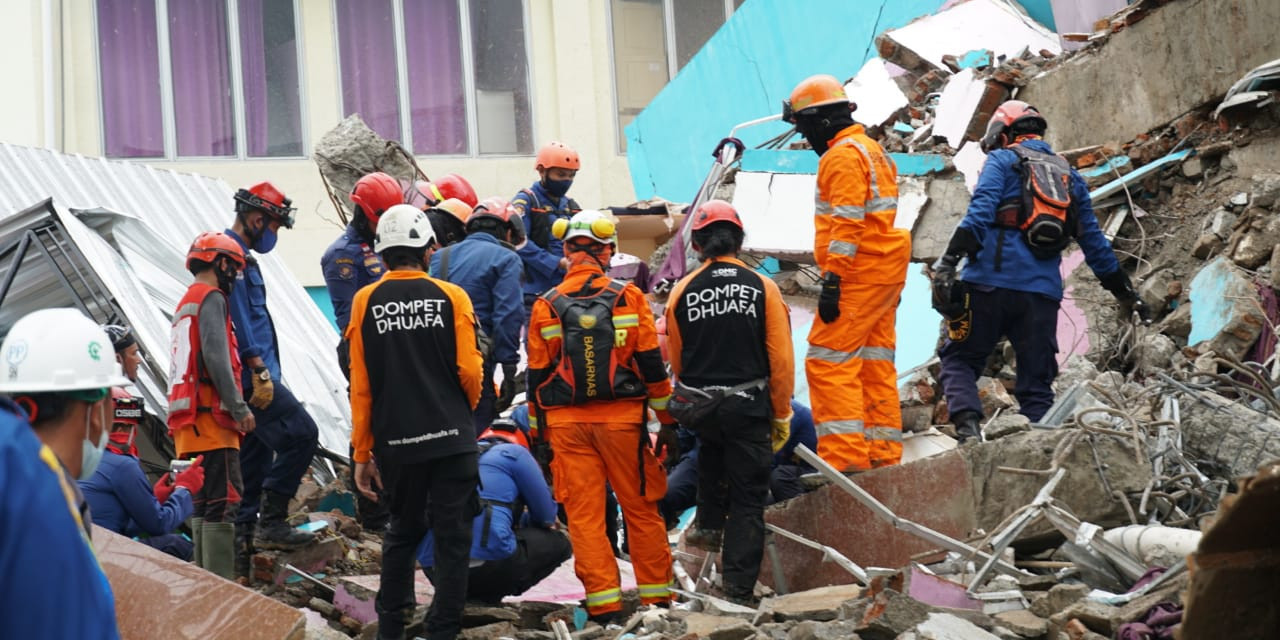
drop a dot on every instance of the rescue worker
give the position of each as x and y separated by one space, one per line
126 348
276 454
508 554
124 502
784 480
208 416
450 185
729 338
415 378
863 260
57 368
540 206
350 264
490 274
1012 285
449 220
593 364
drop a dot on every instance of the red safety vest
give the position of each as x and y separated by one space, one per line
191 392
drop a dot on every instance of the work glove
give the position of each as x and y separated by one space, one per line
506 392
944 287
1119 285
163 488
263 390
781 433
192 478
668 442
829 298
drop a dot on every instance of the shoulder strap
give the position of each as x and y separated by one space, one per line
533 198
444 263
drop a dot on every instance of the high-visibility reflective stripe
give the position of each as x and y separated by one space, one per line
827 354
874 353
884 433
608 596
178 404
877 205
840 427
533 420
660 404
624 320
654 590
851 212
821 207
550 331
840 247
871 167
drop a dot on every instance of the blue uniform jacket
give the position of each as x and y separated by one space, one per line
348 265
121 500
50 582
255 333
541 266
490 274
1020 270
507 472
802 432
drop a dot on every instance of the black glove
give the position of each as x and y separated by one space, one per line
944 287
506 392
668 441
829 298
1119 285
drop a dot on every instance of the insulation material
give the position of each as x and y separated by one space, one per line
995 25
777 212
956 106
876 94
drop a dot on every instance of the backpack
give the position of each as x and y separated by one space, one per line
1044 213
587 369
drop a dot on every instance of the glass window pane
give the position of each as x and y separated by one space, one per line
201 66
639 57
269 67
434 51
696 21
129 66
367 52
501 65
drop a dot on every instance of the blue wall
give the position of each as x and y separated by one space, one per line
1041 11
744 72
320 295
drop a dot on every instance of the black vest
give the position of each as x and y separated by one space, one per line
720 314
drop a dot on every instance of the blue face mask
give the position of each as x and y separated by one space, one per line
556 188
266 241
91 454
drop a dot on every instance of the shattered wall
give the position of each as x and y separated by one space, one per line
1173 61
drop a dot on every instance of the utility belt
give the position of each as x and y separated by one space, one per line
694 405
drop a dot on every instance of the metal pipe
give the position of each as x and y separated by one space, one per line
827 552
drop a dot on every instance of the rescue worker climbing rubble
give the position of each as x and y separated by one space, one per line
863 260
1011 284
208 415
540 206
594 367
57 368
729 337
415 378
276 454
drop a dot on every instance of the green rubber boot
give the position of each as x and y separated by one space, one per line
219 549
197 539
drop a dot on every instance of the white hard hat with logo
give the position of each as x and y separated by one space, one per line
403 225
54 350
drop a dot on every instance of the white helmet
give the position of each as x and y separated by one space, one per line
403 225
588 223
57 350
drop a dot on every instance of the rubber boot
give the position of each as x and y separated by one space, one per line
244 551
966 423
197 540
274 531
705 539
219 549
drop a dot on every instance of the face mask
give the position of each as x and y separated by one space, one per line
226 274
91 454
121 442
266 241
556 188
817 135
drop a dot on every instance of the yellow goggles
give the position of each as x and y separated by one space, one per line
603 229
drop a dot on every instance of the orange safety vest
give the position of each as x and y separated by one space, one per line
191 392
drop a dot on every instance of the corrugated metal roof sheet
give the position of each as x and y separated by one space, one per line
133 224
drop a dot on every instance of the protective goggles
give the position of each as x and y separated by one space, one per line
602 229
282 212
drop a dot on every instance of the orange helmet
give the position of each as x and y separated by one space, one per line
814 91
1008 114
493 207
128 408
452 185
556 155
266 198
454 207
375 193
506 429
713 211
209 245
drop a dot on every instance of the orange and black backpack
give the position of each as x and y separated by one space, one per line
1044 213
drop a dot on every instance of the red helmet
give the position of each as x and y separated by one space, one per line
556 154
452 185
713 211
211 244
493 207
1007 115
128 408
265 197
375 193
506 429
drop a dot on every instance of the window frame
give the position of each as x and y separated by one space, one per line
465 40
669 39
168 124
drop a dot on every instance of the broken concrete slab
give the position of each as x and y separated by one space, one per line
888 614
814 604
964 27
350 150
943 626
1058 599
701 625
155 592
1006 424
1095 615
948 201
1023 622
1225 314
876 93
272 566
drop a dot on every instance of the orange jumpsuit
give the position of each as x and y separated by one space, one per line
849 366
607 442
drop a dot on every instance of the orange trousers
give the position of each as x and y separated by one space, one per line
853 385
587 456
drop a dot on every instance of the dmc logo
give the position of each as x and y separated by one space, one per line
95 351
586 321
724 272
